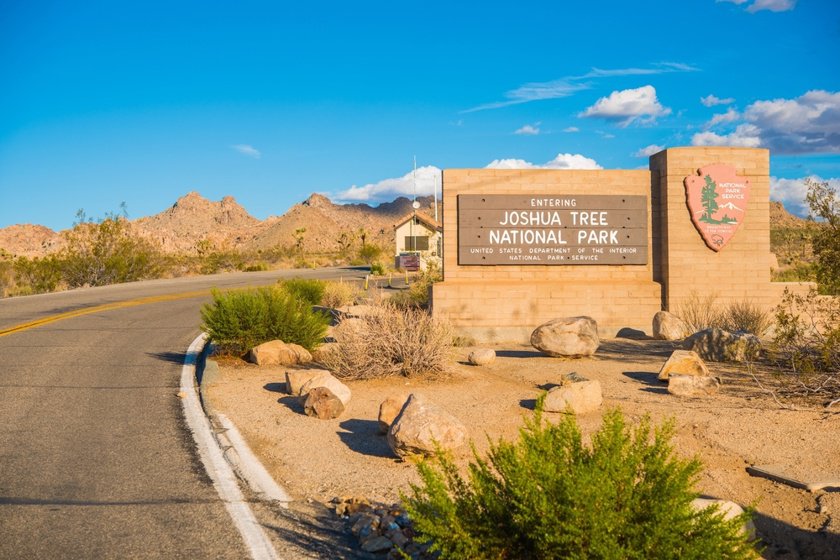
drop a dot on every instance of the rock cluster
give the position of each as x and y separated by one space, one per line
684 362
718 345
687 375
576 394
571 337
322 395
381 529
421 428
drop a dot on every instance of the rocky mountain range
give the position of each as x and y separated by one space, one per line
195 223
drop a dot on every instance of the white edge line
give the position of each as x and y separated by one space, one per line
251 469
219 471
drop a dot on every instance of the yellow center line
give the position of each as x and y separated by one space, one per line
104 307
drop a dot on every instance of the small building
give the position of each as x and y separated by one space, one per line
417 234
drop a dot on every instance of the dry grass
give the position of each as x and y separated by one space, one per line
392 341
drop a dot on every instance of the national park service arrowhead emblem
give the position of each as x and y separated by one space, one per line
717 200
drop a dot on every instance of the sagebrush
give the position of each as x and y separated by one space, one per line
308 290
547 495
339 294
237 321
390 341
705 312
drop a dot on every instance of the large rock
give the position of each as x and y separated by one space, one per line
667 326
297 378
324 353
421 426
685 362
578 397
326 379
569 336
272 353
389 409
482 356
718 345
302 354
322 403
692 385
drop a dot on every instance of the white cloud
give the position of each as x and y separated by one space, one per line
629 105
745 136
248 150
738 2
731 115
562 161
569 85
791 193
772 5
427 179
571 129
529 130
712 100
648 151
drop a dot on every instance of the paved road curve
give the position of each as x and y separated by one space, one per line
95 460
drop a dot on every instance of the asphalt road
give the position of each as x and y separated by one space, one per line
95 459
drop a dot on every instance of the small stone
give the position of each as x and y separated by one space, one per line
388 411
692 385
581 397
667 326
322 403
482 356
685 362
572 337
379 543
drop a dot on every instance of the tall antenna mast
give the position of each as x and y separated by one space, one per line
414 179
435 177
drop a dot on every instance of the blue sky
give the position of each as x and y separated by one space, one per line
110 102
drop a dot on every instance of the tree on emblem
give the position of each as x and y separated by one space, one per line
709 200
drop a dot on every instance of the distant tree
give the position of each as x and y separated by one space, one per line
824 205
299 235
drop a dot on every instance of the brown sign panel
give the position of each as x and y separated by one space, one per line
520 229
717 201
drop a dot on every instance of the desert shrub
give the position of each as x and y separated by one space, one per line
418 292
800 272
255 267
107 252
307 290
824 204
700 312
377 269
339 294
238 321
746 316
37 275
368 253
807 340
390 342
548 495
221 261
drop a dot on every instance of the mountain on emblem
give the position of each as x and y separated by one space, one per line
717 201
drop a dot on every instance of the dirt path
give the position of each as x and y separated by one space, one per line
320 459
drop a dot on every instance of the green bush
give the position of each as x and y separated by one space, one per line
238 321
550 496
824 203
377 269
37 275
369 253
309 291
339 294
419 290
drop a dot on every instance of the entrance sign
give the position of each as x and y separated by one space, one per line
717 201
562 229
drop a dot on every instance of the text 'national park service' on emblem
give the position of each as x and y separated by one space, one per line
717 200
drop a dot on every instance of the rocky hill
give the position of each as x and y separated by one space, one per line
194 223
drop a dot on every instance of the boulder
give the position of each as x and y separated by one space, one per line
482 356
302 354
730 510
272 353
388 411
692 385
422 427
297 378
569 336
685 362
326 379
718 345
322 403
667 326
579 397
